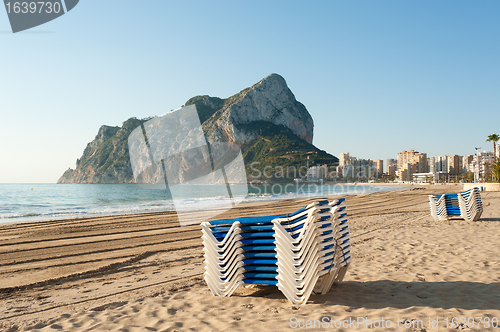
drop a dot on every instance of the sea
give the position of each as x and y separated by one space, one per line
40 202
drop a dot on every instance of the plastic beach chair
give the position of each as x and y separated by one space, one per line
466 205
300 253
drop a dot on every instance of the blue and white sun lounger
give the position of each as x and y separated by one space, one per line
466 205
305 251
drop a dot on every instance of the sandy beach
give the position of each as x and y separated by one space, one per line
145 273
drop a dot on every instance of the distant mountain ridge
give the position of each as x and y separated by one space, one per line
270 125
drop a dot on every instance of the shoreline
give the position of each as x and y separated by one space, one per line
250 199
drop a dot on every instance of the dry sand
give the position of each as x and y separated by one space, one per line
144 273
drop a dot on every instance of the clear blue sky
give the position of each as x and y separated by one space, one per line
377 77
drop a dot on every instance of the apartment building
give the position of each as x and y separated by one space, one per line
389 163
454 164
438 164
391 166
319 172
344 159
486 159
392 169
379 164
354 168
404 157
410 162
467 163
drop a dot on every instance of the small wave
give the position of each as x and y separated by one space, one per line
71 205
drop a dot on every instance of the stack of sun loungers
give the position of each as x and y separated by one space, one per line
300 253
466 205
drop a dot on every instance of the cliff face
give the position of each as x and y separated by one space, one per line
252 117
106 158
269 100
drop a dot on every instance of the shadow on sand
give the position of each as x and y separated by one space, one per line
489 219
398 294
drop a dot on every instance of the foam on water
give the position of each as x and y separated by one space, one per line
20 203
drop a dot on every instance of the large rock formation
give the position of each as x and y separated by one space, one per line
269 100
266 120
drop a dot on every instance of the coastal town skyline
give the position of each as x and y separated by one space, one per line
410 166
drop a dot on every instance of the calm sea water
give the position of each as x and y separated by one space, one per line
34 202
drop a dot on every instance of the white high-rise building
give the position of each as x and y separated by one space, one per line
359 168
391 166
438 164
486 158
344 159
467 163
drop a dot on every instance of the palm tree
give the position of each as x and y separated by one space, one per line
487 172
493 138
496 170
